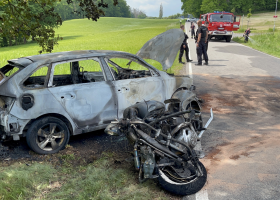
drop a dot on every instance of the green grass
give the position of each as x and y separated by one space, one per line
100 180
266 42
120 34
262 24
21 181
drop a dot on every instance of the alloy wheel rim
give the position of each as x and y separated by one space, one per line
50 137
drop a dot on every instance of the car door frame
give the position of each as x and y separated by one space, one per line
154 74
107 78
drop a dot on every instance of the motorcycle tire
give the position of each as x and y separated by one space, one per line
180 188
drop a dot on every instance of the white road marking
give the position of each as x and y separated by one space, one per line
202 195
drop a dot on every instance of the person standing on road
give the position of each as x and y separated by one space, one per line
192 30
208 39
184 47
202 35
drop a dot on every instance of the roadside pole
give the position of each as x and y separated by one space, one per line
275 16
242 22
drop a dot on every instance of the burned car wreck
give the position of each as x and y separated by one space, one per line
47 98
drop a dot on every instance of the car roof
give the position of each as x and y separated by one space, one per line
67 55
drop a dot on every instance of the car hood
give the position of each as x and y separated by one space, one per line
163 48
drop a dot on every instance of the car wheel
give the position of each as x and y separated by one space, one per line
228 38
47 135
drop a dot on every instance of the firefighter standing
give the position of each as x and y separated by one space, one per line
246 34
184 47
192 30
202 35
208 39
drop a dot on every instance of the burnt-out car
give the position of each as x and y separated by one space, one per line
47 98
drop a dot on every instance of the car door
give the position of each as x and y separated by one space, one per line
135 83
83 89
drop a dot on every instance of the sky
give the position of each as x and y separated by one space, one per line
151 7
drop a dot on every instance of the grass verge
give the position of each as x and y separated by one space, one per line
266 42
67 175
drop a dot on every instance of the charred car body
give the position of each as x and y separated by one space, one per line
46 98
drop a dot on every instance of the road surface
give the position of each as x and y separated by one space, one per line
242 144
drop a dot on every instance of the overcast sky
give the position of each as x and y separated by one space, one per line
151 7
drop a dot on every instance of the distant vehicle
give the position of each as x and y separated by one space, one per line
221 24
191 20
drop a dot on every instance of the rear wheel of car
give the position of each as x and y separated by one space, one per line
47 135
228 38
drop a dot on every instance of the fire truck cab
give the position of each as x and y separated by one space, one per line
221 24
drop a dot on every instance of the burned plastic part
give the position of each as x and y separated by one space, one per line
14 127
27 101
172 101
143 109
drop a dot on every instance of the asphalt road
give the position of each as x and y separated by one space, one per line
242 144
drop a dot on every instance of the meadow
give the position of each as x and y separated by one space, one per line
261 24
119 34
67 174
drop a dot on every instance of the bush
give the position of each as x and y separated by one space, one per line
271 30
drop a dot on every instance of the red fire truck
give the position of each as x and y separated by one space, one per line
221 24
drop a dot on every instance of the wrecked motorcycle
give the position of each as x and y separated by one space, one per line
164 144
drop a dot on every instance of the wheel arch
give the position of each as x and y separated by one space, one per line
186 98
59 116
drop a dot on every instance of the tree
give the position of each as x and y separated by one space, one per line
249 16
208 6
120 10
192 6
160 11
37 19
142 15
135 12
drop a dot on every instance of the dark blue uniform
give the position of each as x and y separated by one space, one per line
202 46
182 49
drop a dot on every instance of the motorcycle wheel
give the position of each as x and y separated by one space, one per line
183 188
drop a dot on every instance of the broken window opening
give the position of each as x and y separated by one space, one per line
77 72
123 68
7 71
37 79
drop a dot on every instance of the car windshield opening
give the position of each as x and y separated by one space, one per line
221 18
123 68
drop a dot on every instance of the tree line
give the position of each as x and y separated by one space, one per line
25 20
197 7
34 20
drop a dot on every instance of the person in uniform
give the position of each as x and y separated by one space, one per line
208 39
202 35
192 30
184 47
246 34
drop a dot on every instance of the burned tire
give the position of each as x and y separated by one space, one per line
228 38
183 188
47 135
